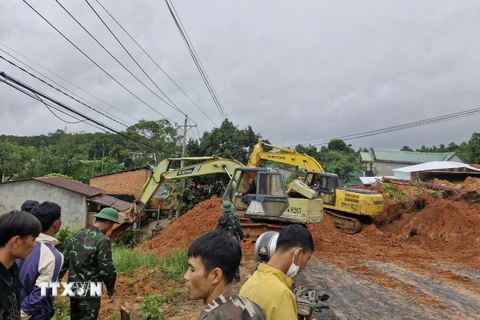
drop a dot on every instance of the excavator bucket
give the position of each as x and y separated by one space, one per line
127 219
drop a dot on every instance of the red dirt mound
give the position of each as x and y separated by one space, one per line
181 233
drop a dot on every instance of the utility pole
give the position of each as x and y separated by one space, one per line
186 127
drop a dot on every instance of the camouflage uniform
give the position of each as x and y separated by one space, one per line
88 258
230 306
229 221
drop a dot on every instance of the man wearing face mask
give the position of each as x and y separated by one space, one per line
270 285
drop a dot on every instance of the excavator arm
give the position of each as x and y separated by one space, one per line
286 156
346 205
164 172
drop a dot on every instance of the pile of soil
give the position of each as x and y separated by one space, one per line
184 230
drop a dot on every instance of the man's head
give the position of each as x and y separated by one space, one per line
28 205
49 214
106 219
227 206
294 248
18 230
212 260
251 180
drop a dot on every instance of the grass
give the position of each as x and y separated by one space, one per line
175 265
127 261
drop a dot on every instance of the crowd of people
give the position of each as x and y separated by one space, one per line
28 258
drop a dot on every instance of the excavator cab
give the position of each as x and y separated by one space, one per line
324 183
268 198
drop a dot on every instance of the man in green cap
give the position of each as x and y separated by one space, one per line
229 222
88 258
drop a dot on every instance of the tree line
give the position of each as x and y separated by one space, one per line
83 155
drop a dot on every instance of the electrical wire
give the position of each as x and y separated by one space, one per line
58 76
118 61
418 123
155 62
48 84
66 121
16 84
123 122
196 61
148 105
198 58
173 105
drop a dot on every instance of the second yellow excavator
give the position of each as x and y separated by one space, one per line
350 207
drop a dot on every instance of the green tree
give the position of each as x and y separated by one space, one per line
16 162
226 141
160 134
406 148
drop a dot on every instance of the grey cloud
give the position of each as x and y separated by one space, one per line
295 71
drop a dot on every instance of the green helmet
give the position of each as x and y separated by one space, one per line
108 214
227 206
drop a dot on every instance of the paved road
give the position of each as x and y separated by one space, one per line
353 297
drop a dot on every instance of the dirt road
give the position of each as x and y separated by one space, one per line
413 295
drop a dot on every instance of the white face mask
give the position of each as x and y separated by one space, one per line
293 270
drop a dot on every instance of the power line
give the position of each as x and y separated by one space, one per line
66 121
38 13
123 122
17 84
190 44
60 77
48 84
195 58
118 61
155 62
418 123
134 60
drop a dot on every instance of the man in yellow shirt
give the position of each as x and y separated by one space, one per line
270 285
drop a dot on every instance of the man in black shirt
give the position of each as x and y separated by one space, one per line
251 193
18 231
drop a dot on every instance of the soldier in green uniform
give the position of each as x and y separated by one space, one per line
88 258
212 261
229 222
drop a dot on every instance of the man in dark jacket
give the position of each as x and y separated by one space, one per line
88 258
42 264
18 230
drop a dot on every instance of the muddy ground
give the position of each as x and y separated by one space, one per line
412 262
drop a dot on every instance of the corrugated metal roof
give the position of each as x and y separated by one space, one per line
366 156
409 156
435 165
109 201
74 186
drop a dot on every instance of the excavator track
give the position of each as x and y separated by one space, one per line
345 223
253 229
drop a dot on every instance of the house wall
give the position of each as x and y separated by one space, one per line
74 207
386 168
456 158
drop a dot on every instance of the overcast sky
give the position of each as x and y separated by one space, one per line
296 71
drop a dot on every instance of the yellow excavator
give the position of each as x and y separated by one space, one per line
267 208
350 207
